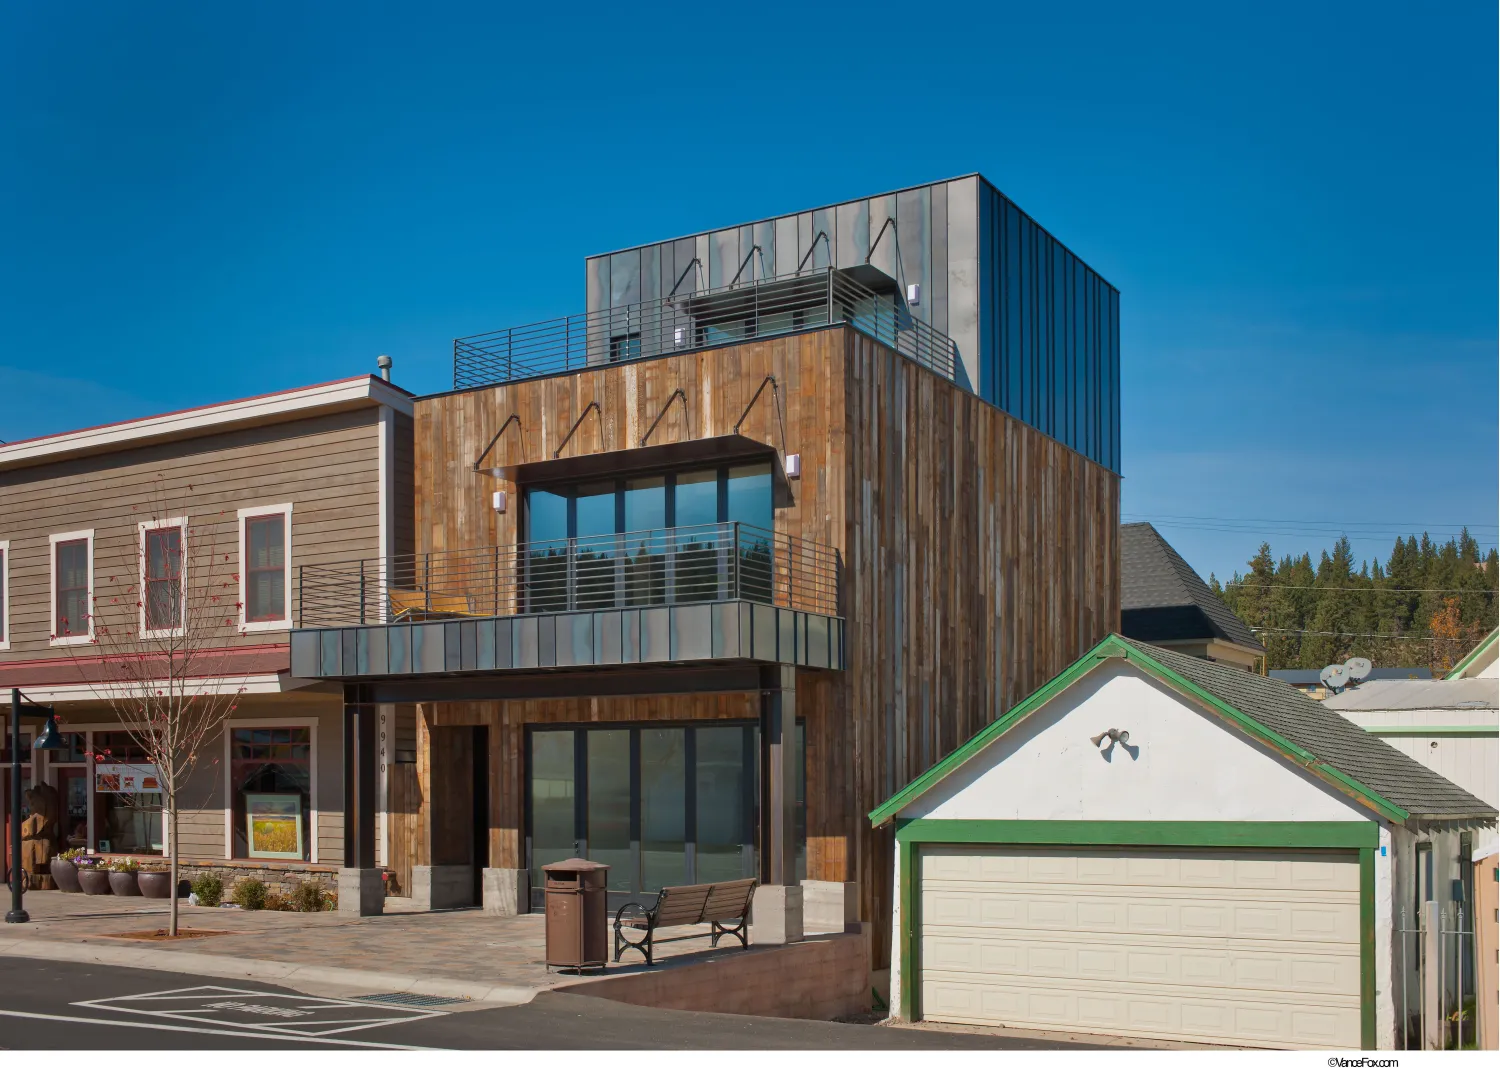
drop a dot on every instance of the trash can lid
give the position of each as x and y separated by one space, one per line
575 864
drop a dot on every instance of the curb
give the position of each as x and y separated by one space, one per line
285 972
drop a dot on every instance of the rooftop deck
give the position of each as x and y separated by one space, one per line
863 298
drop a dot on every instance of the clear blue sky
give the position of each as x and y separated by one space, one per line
1297 203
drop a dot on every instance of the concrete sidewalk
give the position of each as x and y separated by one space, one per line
458 953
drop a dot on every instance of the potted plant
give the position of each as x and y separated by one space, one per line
155 882
124 877
93 877
65 872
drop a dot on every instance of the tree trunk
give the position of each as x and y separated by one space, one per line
172 855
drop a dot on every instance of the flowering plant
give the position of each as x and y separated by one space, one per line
88 861
124 864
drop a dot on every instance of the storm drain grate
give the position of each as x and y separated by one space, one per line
403 998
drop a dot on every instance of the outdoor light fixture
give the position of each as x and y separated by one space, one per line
914 294
1114 735
498 500
48 740
794 465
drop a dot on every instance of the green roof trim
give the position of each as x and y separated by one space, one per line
1457 670
1114 646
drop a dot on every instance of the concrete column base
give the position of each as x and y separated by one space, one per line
507 892
361 892
776 915
828 906
442 886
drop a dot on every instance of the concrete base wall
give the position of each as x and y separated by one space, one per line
819 979
362 892
507 892
829 906
442 886
776 914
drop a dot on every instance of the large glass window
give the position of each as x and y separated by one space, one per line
125 822
651 540
661 804
270 786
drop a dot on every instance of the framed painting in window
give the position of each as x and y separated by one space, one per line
273 825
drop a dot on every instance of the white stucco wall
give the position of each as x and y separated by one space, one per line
1182 763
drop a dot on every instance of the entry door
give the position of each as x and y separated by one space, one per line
662 804
1246 948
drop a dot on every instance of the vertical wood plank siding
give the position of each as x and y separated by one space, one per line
980 557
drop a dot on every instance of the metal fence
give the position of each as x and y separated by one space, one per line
754 309
1435 991
642 569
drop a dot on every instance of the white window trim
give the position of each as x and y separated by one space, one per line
248 626
309 722
181 523
53 638
5 610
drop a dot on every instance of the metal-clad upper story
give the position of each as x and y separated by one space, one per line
1037 331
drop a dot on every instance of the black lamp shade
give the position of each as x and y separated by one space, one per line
49 739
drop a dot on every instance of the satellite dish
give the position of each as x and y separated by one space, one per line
1334 677
1359 669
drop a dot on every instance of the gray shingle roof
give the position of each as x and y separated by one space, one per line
1162 599
1329 737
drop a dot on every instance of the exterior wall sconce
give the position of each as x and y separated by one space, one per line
914 294
499 500
794 465
679 337
1114 735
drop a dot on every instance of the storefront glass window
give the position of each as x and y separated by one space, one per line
270 778
125 822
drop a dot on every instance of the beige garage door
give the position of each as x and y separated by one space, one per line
1249 948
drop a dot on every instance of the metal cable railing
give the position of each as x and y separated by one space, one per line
754 309
642 569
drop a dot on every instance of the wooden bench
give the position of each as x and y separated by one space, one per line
725 907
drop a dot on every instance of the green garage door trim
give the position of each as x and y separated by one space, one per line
1360 835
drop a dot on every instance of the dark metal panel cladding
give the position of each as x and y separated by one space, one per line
913 211
546 641
525 642
399 649
607 630
938 307
692 632
504 637
427 648
852 243
305 654
484 645
656 637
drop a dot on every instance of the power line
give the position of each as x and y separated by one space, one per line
1343 634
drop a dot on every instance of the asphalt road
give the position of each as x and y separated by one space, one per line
64 1006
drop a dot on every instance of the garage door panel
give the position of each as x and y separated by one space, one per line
1123 1010
1253 948
1287 969
978 905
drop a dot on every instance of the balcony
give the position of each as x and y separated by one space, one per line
864 298
718 592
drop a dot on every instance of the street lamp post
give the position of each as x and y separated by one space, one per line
49 740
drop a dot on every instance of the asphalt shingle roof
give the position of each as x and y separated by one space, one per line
1162 599
1328 736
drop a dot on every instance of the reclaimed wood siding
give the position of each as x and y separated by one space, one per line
982 557
326 466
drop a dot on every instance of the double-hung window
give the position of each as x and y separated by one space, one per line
162 576
265 568
4 595
72 576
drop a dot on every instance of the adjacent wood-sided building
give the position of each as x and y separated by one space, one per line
247 491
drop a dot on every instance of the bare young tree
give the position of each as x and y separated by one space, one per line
164 608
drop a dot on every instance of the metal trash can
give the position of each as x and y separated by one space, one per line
577 914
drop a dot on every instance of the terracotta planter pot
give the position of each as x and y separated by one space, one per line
155 884
94 881
65 875
125 884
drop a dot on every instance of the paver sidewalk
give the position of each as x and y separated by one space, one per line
456 952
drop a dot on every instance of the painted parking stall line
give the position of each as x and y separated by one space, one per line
277 1013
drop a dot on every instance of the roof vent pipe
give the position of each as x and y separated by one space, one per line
383 362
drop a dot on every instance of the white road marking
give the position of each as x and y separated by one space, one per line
238 1034
258 1005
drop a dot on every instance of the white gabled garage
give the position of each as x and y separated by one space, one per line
1202 876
